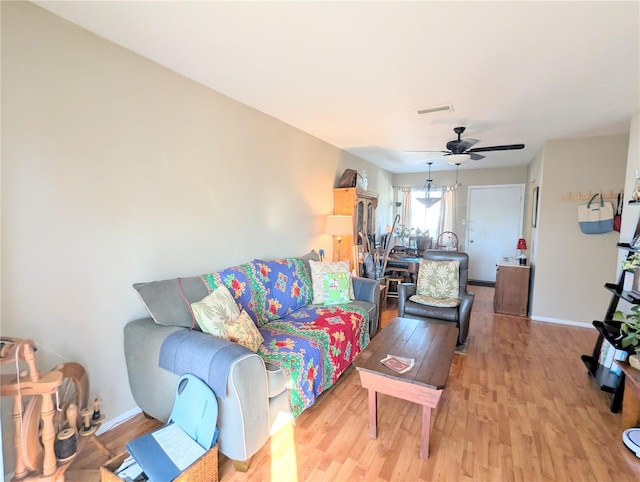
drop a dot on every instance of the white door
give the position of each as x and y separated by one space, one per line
494 224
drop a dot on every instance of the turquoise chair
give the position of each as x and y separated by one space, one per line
195 410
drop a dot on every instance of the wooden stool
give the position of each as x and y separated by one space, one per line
383 296
388 281
396 272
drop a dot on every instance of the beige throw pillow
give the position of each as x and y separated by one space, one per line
243 330
214 310
318 270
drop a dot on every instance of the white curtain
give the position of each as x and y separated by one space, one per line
448 211
405 216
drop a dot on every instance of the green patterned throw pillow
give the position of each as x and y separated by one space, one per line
336 288
318 270
439 279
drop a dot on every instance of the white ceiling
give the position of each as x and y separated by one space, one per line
355 73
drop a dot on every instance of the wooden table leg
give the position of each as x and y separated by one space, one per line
21 469
426 430
373 414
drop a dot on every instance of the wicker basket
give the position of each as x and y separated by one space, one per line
205 469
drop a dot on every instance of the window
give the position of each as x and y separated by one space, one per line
425 211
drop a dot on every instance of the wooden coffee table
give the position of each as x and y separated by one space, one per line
432 345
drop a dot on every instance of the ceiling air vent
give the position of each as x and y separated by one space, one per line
437 108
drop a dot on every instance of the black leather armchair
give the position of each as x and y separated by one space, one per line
460 315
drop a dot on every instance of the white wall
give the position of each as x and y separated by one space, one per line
570 268
630 213
116 170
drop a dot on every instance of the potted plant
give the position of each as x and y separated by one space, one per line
631 265
630 334
403 233
420 239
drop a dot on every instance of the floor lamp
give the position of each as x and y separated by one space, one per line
339 225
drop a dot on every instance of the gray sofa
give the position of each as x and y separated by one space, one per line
257 395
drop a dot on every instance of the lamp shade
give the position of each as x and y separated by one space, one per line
522 244
457 158
339 225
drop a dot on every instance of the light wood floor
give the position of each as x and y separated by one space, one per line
519 406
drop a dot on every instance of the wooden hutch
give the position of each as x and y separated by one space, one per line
361 205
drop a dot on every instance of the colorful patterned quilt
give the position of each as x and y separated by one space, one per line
314 345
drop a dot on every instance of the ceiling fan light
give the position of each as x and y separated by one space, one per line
458 158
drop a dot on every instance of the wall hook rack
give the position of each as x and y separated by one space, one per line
609 195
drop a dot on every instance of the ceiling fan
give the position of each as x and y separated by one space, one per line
459 150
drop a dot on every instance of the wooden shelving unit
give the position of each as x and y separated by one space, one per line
606 380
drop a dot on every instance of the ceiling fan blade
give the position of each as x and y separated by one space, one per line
425 152
453 145
509 147
466 144
475 157
459 146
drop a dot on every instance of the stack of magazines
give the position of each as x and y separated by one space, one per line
165 453
398 363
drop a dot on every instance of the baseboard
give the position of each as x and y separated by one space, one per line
123 417
579 324
474 282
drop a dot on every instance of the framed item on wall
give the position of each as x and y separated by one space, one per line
534 206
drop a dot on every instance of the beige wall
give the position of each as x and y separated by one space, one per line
116 170
570 268
467 177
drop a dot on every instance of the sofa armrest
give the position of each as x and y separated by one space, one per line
366 289
405 291
243 417
466 303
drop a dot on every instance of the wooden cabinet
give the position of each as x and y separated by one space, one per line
631 400
362 206
512 289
